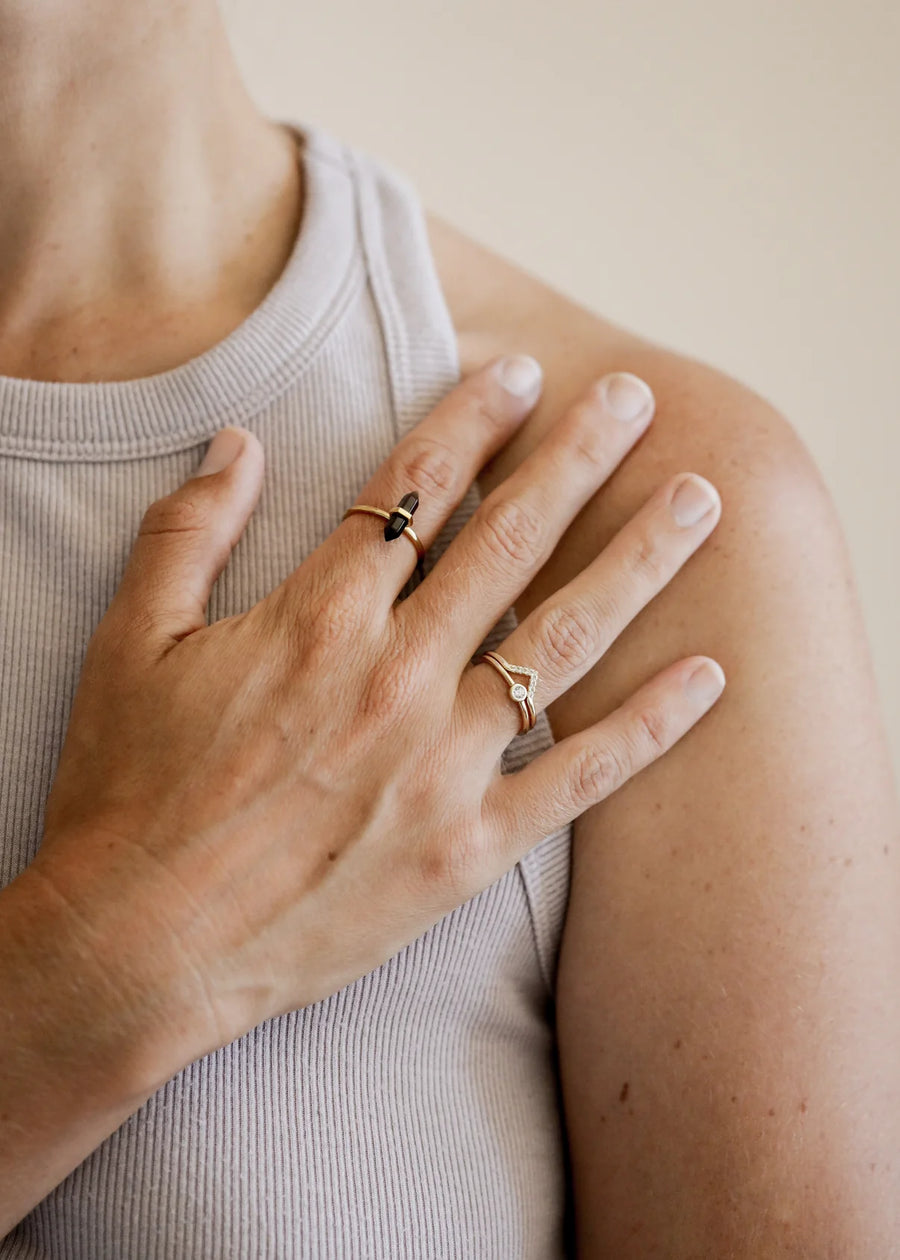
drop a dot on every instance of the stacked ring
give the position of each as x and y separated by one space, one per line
522 695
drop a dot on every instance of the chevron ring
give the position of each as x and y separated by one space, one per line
518 692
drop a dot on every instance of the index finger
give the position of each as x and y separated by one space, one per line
438 460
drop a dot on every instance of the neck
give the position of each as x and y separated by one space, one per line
146 206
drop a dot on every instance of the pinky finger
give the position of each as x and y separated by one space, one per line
584 769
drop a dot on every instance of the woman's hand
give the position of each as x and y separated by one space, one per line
250 815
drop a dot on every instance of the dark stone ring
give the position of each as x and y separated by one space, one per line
399 520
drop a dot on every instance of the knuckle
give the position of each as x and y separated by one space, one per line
596 772
652 731
588 441
430 467
648 562
454 861
513 530
118 641
334 616
566 636
489 416
589 450
392 690
108 649
176 514
140 621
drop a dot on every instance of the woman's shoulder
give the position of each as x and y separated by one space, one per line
706 422
496 303
703 414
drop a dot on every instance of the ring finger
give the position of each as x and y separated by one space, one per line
567 634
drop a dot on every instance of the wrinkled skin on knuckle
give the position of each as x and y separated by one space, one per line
567 638
332 619
393 692
588 450
123 649
587 442
144 619
110 650
651 733
596 773
176 514
430 468
648 562
612 612
513 532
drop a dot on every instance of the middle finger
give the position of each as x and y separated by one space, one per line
513 532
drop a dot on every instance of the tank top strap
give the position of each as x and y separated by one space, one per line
420 340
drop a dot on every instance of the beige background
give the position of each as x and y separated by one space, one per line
721 177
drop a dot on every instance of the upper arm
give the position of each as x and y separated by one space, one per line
728 1011
731 946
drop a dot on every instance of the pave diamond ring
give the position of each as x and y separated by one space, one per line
518 692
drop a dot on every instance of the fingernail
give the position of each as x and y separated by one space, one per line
222 451
694 497
706 683
520 375
625 396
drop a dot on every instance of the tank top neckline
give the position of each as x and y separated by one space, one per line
233 379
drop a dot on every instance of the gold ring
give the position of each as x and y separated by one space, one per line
522 695
399 520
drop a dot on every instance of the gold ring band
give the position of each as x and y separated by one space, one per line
408 531
523 696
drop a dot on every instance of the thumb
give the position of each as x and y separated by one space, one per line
185 540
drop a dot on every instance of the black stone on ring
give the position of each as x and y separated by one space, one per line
401 516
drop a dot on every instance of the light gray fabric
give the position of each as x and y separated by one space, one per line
414 1113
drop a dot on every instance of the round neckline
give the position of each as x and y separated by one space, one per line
231 380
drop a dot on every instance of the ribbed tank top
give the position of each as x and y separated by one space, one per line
415 1113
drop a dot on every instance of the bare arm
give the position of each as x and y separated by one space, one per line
728 1005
